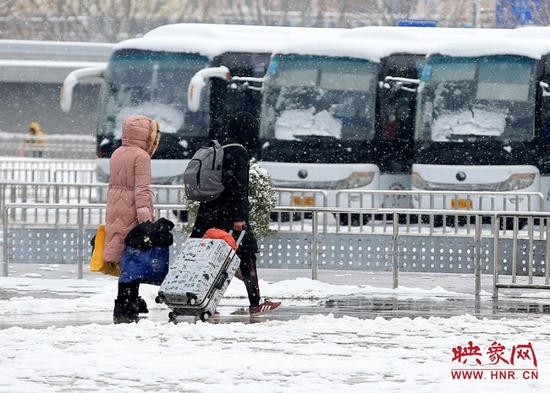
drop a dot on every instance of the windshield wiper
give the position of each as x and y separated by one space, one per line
455 137
316 138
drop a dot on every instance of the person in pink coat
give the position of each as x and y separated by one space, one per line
129 203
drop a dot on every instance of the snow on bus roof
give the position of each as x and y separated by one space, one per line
375 42
418 33
372 49
211 40
541 32
490 46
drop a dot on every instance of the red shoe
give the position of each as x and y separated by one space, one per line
263 307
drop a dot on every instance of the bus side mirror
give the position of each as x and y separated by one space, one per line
198 82
74 78
395 83
545 89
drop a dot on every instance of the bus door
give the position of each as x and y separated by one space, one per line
228 97
395 129
543 129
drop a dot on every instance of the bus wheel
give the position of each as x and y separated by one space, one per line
460 221
355 219
438 220
522 223
413 218
285 217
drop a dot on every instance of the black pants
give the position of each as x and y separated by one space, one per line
250 276
128 292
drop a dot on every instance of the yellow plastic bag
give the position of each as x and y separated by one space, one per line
97 263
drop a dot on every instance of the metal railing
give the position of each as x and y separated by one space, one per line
534 258
455 205
77 216
452 222
47 170
92 192
298 197
71 193
534 240
454 200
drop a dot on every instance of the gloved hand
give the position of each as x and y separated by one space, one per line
161 236
140 236
163 225
146 227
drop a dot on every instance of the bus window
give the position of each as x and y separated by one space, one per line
319 97
472 98
230 98
150 84
545 104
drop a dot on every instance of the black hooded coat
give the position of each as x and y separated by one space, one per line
232 205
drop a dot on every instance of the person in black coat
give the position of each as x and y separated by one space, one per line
231 209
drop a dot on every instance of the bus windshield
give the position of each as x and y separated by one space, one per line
320 97
466 99
153 84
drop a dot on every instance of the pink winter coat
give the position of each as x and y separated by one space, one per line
129 199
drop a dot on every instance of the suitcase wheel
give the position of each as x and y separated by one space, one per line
173 317
191 298
160 298
205 316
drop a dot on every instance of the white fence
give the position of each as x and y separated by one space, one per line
520 254
47 170
46 203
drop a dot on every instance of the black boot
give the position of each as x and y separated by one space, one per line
125 311
142 306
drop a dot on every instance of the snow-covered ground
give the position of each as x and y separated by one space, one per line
317 353
304 347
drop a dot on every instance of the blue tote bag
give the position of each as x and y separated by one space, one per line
144 266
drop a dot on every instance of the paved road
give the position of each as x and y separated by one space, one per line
378 304
371 307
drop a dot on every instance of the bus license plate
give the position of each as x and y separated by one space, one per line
461 204
307 201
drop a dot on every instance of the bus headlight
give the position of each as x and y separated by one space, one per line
418 182
517 181
355 180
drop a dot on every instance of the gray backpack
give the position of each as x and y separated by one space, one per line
203 176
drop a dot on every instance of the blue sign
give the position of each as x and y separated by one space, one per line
512 13
417 23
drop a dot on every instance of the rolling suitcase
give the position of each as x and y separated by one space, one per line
199 277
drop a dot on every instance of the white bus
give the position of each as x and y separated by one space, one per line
339 114
150 76
483 120
321 113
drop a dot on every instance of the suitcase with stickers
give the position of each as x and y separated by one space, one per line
198 278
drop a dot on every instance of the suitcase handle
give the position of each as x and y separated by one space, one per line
221 280
240 238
